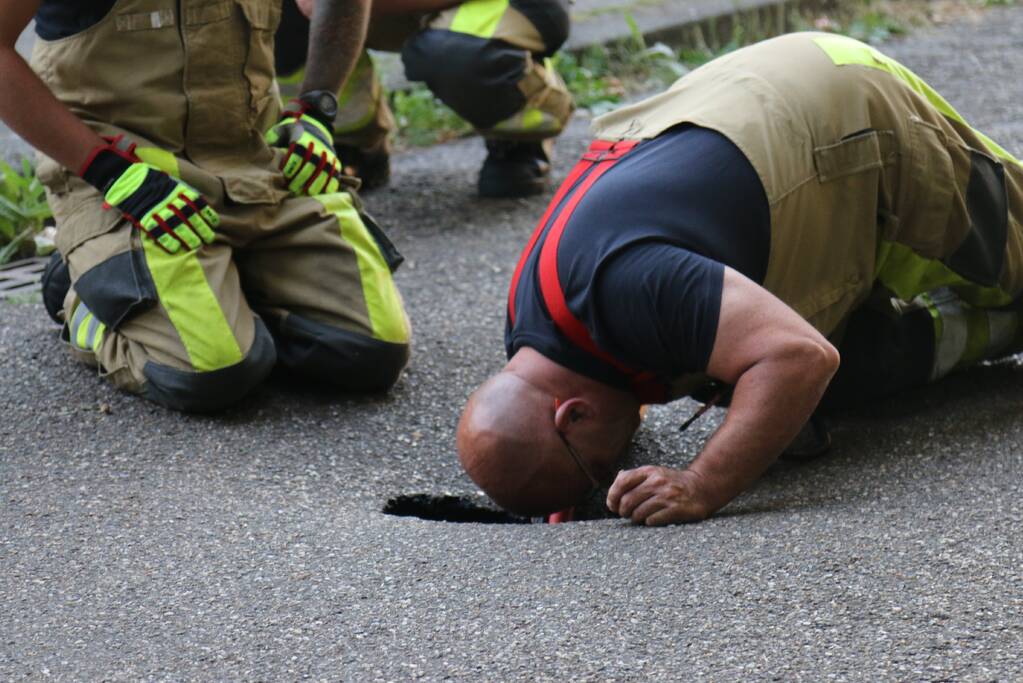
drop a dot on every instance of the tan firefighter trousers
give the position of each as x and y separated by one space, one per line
301 282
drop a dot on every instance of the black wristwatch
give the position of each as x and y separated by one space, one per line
322 104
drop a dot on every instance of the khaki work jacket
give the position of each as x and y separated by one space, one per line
190 81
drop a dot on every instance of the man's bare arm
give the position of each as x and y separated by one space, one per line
337 32
28 106
780 366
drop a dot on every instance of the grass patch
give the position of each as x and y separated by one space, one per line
423 119
23 213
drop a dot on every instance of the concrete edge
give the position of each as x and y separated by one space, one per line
708 23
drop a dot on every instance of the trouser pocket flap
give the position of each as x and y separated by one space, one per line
118 288
863 151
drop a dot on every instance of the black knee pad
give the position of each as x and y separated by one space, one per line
477 77
331 356
550 17
55 283
209 392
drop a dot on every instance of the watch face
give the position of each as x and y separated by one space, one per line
327 103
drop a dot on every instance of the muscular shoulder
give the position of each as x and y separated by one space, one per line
657 306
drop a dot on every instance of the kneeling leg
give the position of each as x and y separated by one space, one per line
322 280
173 328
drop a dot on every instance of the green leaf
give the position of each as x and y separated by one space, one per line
12 248
635 35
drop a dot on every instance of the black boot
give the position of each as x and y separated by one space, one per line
55 281
514 169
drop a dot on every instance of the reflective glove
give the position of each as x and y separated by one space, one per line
311 164
165 209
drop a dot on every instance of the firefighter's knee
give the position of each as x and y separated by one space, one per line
207 392
478 78
551 20
339 358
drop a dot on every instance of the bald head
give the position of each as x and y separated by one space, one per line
508 445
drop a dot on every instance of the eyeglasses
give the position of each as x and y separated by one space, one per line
594 481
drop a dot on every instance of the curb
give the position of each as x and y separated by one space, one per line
689 23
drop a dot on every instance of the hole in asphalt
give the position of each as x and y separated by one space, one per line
448 509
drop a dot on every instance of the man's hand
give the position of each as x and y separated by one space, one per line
311 164
779 366
656 496
165 209
305 7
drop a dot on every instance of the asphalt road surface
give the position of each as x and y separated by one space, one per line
138 543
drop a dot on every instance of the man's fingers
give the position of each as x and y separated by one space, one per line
672 514
623 483
650 506
635 497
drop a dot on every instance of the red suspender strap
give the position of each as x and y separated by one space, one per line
550 281
565 188
601 156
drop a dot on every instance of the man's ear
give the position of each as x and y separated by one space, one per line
570 412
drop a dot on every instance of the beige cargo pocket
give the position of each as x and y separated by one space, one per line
77 207
840 212
856 153
102 249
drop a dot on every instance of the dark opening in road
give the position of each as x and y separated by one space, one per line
448 509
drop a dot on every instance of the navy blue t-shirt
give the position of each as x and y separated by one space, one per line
57 19
641 260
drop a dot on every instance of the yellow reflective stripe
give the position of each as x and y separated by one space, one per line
125 186
479 17
77 316
363 69
977 337
192 307
843 50
907 274
160 159
82 332
97 340
363 82
307 120
383 303
532 118
932 308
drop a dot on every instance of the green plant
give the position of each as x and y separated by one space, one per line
423 119
874 27
23 210
600 77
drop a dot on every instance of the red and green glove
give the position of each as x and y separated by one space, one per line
311 164
168 211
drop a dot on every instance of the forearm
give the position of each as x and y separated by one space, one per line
337 32
31 111
771 402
